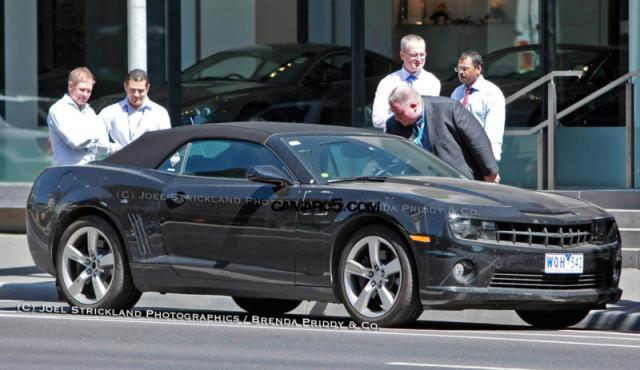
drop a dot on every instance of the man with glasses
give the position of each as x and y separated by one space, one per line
413 54
481 97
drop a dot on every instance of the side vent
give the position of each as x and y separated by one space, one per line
139 232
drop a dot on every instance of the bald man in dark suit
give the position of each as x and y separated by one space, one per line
443 127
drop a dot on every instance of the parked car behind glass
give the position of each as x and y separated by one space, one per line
514 68
279 82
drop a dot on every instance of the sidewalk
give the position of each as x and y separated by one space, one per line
21 281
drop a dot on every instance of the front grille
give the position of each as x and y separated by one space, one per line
520 280
566 236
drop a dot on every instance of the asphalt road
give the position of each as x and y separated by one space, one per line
180 331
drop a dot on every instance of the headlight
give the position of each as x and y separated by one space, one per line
604 231
197 115
466 228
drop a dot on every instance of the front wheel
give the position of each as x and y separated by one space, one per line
378 281
91 267
556 319
266 306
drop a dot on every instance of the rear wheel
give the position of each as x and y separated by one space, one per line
378 280
266 306
91 267
556 319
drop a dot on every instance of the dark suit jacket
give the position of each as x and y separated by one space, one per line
455 135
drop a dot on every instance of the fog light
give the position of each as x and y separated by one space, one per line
463 271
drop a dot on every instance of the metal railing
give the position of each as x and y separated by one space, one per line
553 116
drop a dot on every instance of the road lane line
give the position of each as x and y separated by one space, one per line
320 330
623 336
453 366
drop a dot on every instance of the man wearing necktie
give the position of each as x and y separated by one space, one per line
413 54
481 97
443 127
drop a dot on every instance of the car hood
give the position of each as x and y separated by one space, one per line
460 192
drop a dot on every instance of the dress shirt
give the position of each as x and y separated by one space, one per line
126 124
425 83
76 134
487 104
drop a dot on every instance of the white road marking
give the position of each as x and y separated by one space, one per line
453 366
249 325
578 334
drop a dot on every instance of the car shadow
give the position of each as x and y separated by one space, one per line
21 271
44 291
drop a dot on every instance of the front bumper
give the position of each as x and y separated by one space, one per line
513 277
458 298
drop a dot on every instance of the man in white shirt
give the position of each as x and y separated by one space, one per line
128 119
413 55
75 132
481 97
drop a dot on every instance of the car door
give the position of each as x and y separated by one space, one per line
218 225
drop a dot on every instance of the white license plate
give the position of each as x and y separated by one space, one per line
563 263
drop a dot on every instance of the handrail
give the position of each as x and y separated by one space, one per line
554 116
570 109
541 81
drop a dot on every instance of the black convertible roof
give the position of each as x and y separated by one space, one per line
153 147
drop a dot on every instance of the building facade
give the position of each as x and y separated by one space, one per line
524 40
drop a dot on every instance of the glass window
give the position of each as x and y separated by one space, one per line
336 67
332 158
227 158
256 63
376 67
173 164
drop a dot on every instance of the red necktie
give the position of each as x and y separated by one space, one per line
467 92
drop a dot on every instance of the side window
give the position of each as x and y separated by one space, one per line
174 162
227 158
374 67
524 65
333 68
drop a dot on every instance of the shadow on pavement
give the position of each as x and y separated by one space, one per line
22 271
40 291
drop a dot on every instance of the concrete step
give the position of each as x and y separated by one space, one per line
626 218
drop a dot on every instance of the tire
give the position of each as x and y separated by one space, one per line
392 273
556 319
94 274
266 306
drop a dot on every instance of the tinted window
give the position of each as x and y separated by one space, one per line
227 158
376 67
173 163
336 67
337 157
519 64
252 64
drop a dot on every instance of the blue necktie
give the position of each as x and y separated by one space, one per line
410 79
421 135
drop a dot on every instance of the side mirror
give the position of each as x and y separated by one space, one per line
268 174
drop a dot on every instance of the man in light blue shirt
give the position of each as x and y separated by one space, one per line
131 117
413 54
75 132
482 98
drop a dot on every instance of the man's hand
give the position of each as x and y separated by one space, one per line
493 178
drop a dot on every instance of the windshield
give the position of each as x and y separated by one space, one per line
260 64
338 158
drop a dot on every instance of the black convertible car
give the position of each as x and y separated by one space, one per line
275 213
